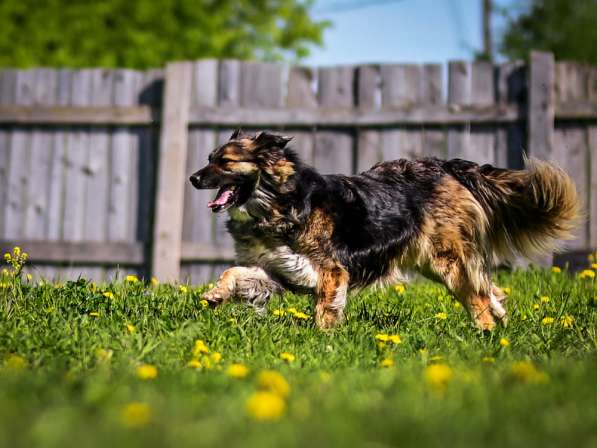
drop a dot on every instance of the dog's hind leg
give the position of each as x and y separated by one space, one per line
332 288
472 287
250 284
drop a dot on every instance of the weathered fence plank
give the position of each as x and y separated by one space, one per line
301 94
368 98
459 95
197 220
78 253
541 105
334 149
171 173
18 178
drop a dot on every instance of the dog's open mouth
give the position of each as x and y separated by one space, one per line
225 198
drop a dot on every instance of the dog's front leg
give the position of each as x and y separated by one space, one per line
332 288
251 284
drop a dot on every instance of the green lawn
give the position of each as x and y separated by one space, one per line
70 357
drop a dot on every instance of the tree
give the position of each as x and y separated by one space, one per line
148 33
568 28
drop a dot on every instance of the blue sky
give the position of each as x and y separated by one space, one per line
402 30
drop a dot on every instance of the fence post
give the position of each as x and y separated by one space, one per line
171 176
541 109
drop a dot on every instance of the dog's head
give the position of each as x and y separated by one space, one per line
238 167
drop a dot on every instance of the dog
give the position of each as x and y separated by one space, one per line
450 220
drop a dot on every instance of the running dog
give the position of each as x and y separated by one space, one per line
451 221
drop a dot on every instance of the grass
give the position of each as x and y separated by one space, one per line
70 357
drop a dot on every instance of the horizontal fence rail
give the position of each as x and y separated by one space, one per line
94 163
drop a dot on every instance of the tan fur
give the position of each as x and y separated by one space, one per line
546 196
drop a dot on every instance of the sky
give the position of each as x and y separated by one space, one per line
414 31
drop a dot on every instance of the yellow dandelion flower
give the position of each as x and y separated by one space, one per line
288 357
216 357
108 294
504 342
135 414
183 289
567 321
544 299
457 305
132 278
381 337
547 320
536 306
399 288
527 372
507 290
204 303
272 381
556 269
395 338
265 406
587 273
147 372
154 282
292 310
237 370
441 316
16 251
279 312
524 317
594 266
94 314
131 328
438 375
15 362
301 315
200 347
194 364
29 277
488 359
388 362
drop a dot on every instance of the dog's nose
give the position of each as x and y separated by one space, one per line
195 180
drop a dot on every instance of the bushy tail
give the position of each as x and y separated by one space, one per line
530 211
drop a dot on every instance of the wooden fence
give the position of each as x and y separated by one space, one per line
94 163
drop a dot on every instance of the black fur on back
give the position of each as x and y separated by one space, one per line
375 213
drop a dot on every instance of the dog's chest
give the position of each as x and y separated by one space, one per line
274 257
280 261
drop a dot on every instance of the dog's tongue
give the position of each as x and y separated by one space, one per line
221 199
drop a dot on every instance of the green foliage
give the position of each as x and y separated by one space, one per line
69 358
148 33
568 28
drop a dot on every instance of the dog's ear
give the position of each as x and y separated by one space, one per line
238 132
266 140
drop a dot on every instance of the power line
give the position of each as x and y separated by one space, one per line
351 6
